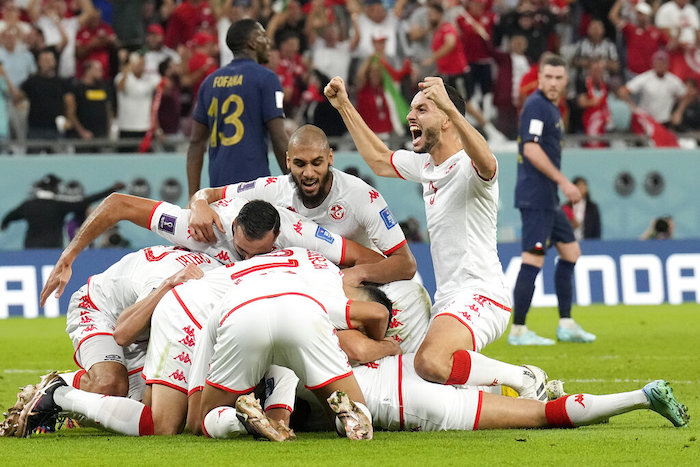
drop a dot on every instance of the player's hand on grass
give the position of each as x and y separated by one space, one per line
571 191
59 277
336 93
202 222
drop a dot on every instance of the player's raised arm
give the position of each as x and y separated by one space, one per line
371 148
471 140
116 207
203 217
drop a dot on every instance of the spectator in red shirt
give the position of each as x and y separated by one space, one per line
372 104
593 99
95 41
186 19
642 39
292 72
202 62
476 25
448 54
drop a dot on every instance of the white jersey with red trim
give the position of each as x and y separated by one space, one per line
461 210
135 276
172 223
282 272
352 208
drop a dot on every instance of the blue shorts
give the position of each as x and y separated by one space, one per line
543 228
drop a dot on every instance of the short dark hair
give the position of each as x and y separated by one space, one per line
552 60
375 294
163 66
238 34
456 99
257 218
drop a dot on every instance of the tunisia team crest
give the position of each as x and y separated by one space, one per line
337 211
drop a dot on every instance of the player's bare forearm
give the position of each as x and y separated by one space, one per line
400 265
114 208
280 141
195 155
371 148
137 317
475 145
539 159
357 254
361 349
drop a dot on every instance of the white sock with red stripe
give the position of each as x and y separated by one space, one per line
588 409
221 422
481 370
118 414
73 378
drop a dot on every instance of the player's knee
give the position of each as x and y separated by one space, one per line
109 384
428 368
165 428
194 424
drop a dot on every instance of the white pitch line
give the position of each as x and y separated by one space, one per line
621 380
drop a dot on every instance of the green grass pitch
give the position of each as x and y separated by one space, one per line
635 345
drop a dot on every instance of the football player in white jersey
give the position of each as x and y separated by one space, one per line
400 400
111 364
176 327
344 205
458 173
170 222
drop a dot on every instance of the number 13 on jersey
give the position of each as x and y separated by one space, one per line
230 116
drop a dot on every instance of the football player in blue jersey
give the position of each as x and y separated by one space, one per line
544 222
237 107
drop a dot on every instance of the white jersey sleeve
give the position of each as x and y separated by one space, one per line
408 165
298 231
172 223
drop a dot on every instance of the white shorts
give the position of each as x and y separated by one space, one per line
91 332
411 313
399 399
486 319
174 334
290 330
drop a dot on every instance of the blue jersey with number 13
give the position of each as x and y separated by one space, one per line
235 102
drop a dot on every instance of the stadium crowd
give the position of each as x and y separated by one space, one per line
88 69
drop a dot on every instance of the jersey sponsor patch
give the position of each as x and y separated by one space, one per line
245 186
536 127
324 235
387 217
279 99
166 223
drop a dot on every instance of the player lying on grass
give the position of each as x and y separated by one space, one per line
170 222
175 328
256 288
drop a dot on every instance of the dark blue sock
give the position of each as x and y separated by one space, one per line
522 294
563 286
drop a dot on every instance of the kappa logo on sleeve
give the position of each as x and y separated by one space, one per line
324 235
387 217
245 186
166 223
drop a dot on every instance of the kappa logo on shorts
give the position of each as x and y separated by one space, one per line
388 218
324 235
167 223
245 186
